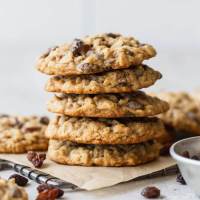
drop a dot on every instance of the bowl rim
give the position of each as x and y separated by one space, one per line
179 157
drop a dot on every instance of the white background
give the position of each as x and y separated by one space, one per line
27 28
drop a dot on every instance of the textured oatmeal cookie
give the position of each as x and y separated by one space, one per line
70 153
94 54
105 131
10 191
136 104
184 112
21 134
118 81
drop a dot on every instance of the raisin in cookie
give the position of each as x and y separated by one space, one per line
21 134
70 153
105 131
10 191
184 112
118 81
94 54
136 104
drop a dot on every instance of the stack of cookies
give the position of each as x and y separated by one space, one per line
103 119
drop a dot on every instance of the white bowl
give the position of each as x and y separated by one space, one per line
190 169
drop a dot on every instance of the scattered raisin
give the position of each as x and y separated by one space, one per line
19 180
44 187
44 120
180 179
151 192
49 194
186 154
78 47
36 159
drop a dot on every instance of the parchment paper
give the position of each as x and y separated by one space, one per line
91 178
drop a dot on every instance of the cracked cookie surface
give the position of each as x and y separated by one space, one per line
103 155
93 54
118 81
19 134
10 191
105 131
136 104
184 112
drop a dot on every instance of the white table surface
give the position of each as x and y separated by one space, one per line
170 190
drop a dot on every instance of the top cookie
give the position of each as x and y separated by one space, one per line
184 112
93 54
22 134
